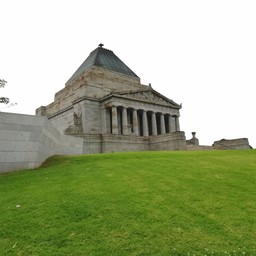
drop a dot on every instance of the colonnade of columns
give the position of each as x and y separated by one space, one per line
141 122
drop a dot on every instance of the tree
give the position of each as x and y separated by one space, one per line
4 100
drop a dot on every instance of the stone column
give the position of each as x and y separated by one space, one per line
114 120
162 124
172 124
124 121
135 122
145 123
177 123
154 128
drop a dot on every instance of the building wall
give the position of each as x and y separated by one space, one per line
88 110
95 83
170 141
99 82
120 143
63 120
27 141
91 117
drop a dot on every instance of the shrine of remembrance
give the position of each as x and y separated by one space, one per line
104 103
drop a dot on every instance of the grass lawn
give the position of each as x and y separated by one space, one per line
146 203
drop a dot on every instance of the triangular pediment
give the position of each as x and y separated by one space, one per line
149 95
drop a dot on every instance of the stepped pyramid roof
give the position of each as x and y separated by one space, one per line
104 58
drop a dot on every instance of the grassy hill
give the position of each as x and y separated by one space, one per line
146 203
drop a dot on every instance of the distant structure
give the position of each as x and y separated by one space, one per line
241 143
104 103
193 144
194 141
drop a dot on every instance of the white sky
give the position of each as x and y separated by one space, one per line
201 53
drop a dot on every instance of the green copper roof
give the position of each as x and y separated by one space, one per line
104 58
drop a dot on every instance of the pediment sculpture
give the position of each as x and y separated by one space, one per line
149 96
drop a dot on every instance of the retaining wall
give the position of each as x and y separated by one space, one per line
26 141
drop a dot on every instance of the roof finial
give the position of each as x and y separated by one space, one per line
100 45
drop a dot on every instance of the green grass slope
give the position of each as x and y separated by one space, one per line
146 203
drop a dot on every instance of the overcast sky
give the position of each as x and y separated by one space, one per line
201 53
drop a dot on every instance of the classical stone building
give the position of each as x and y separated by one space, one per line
105 103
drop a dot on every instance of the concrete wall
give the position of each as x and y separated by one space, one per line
26 141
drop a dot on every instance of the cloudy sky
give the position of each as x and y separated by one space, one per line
200 53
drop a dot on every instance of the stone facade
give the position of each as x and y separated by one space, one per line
105 103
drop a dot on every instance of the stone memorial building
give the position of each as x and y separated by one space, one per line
104 103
